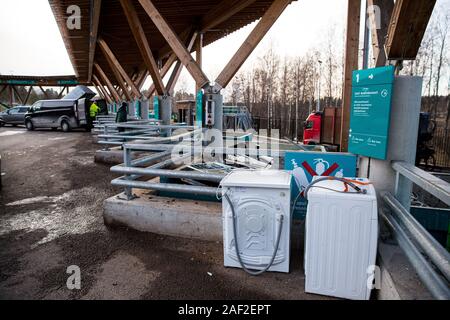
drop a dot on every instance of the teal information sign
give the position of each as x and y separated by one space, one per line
156 107
199 109
370 112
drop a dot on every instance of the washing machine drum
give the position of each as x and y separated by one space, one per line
257 231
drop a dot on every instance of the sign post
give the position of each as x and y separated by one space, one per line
370 112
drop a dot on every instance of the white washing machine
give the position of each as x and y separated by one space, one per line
260 198
341 240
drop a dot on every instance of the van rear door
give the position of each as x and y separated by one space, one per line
81 111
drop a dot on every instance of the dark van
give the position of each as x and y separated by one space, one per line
65 114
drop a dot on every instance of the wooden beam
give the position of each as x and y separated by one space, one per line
407 27
11 95
351 64
380 12
101 91
175 43
95 18
120 81
61 92
108 83
172 58
179 67
3 88
44 92
116 65
28 94
143 45
198 56
266 22
18 95
102 88
223 11
140 81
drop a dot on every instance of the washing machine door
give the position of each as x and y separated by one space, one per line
257 230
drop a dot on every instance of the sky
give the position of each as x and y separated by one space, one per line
32 44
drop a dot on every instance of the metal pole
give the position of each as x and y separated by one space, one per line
127 162
169 173
296 115
198 190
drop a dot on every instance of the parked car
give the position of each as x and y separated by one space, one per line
65 114
14 116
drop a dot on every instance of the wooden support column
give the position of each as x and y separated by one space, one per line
4 87
102 88
101 91
123 91
108 83
44 92
28 94
143 45
61 92
17 94
175 43
115 65
141 78
95 18
11 95
351 64
199 56
266 22
179 67
380 12
172 58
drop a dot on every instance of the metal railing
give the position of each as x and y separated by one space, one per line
116 134
429 258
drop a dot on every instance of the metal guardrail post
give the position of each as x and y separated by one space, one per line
106 147
433 185
403 188
127 163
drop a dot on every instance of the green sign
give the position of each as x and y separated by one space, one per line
156 107
21 82
67 82
199 109
370 112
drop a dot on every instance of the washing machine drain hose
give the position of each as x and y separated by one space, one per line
236 245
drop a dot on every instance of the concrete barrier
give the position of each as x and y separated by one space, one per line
168 216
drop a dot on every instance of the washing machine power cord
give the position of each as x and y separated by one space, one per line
277 243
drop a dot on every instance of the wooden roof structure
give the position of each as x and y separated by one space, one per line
107 20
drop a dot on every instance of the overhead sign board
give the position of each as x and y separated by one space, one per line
370 111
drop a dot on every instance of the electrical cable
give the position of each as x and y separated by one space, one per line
347 182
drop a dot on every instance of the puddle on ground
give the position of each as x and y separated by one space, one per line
10 133
57 138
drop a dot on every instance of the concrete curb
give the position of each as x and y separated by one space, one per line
180 218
